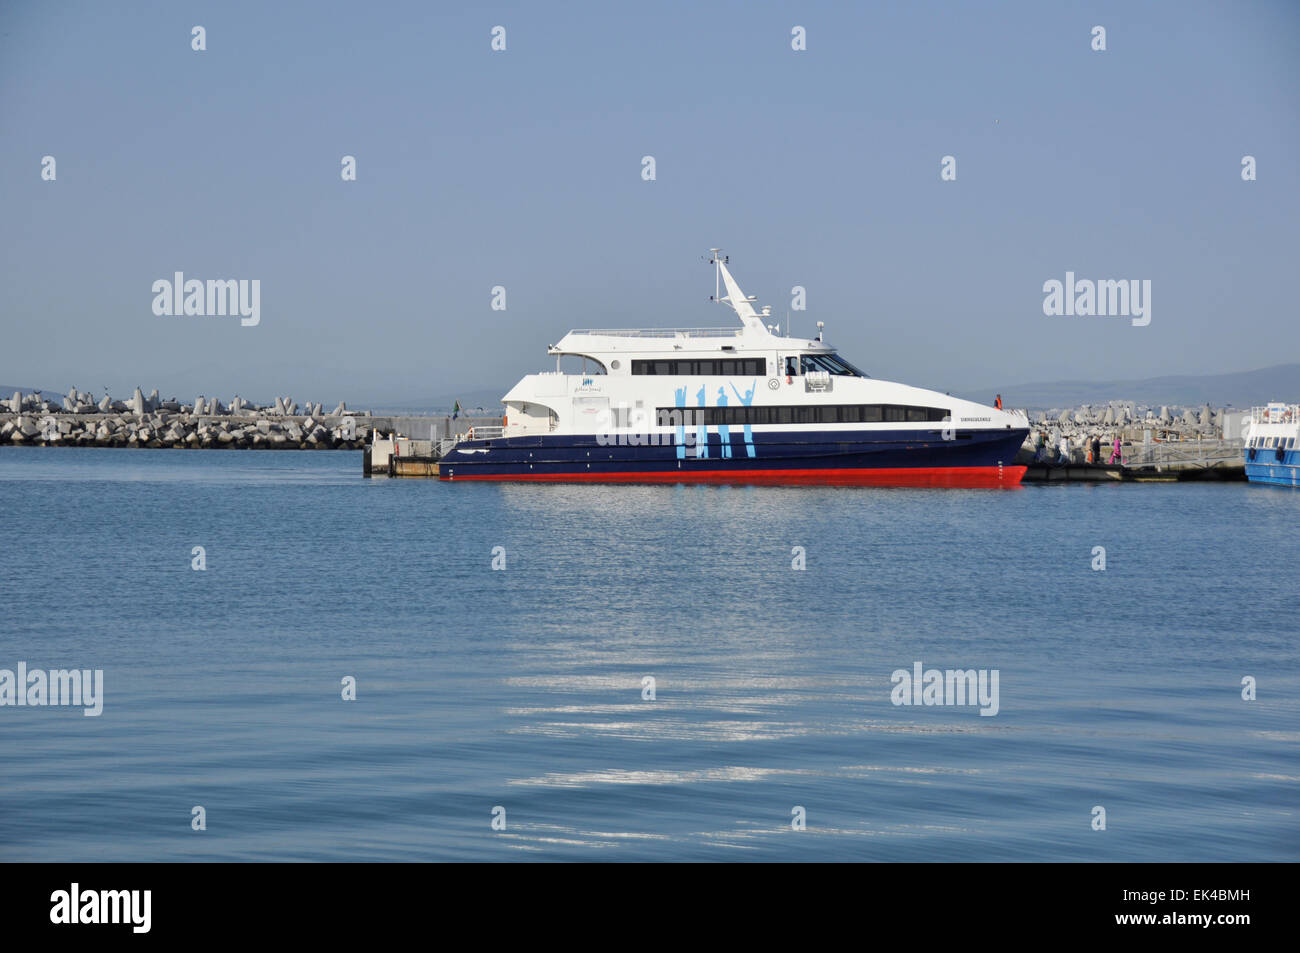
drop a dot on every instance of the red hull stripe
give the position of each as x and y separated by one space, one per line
897 476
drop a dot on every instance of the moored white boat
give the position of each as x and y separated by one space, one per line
1272 448
740 404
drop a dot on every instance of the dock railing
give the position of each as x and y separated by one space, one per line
1181 454
477 432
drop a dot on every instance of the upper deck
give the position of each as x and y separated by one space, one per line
1275 414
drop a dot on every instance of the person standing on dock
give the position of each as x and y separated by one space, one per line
1096 449
1115 455
1065 449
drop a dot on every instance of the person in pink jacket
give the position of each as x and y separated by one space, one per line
1115 455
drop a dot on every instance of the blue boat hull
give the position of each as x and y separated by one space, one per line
905 457
1267 468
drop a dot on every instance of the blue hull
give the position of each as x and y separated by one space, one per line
1275 474
1267 468
737 454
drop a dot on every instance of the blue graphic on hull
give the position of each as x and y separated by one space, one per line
680 394
724 431
747 400
701 432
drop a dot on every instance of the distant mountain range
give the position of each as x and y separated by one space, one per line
7 391
469 400
1238 389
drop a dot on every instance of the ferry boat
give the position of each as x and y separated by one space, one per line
739 404
1273 445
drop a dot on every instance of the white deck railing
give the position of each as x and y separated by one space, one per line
1275 414
447 444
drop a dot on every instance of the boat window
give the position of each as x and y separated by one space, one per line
800 414
720 367
830 363
576 365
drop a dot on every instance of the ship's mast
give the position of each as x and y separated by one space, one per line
734 297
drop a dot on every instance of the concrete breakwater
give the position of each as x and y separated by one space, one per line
1123 441
185 431
1132 421
149 421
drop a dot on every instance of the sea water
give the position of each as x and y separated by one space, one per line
590 672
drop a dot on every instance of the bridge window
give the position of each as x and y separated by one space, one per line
830 363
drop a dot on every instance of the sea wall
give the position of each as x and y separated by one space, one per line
1164 438
162 429
77 420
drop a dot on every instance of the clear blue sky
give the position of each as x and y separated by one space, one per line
522 168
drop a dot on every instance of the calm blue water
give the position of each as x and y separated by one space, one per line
522 688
